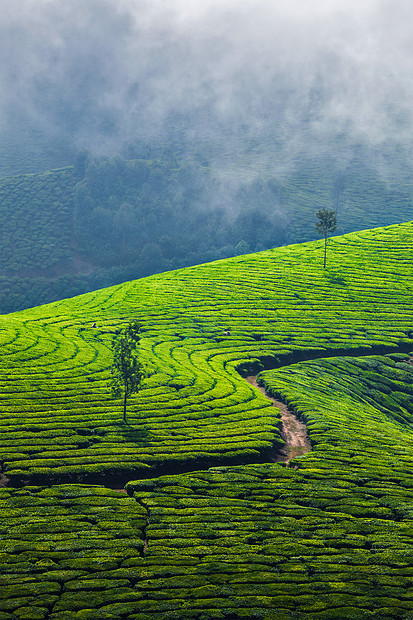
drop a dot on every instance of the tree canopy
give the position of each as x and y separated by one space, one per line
327 223
127 371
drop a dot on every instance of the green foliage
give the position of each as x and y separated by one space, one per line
197 327
127 371
104 221
327 223
64 548
211 527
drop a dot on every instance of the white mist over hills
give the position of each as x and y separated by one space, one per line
298 75
242 118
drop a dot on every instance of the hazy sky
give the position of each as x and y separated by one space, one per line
103 71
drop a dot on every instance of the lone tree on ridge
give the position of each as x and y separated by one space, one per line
127 371
327 223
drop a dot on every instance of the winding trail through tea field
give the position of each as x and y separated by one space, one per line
293 431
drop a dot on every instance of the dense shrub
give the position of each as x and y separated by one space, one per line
327 536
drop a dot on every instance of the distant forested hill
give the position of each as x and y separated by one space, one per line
106 220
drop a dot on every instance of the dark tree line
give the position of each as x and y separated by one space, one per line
103 221
157 217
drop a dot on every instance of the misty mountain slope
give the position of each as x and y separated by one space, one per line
328 537
215 129
273 303
268 112
36 221
104 221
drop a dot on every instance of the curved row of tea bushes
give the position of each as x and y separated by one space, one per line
329 537
60 423
65 548
199 325
359 416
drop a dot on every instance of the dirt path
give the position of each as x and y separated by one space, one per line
4 481
293 431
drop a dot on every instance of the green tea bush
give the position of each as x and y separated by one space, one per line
325 535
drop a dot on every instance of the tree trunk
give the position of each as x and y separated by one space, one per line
325 251
124 408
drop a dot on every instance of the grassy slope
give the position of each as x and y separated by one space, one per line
273 303
330 539
39 250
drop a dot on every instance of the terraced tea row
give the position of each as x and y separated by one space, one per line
200 324
67 547
358 411
328 537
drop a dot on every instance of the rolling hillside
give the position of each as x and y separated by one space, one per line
210 526
106 221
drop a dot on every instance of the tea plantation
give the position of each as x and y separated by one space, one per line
105 220
210 526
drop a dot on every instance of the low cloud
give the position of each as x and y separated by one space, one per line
98 73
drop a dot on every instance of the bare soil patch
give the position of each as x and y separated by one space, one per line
4 481
293 431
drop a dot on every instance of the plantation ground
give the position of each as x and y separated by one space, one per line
328 537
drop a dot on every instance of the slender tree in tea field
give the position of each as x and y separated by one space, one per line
327 223
127 371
